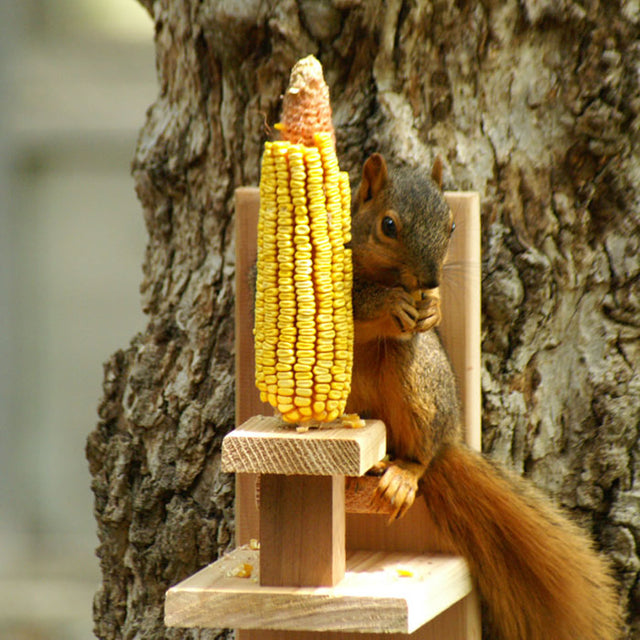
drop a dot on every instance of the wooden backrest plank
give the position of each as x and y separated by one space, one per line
461 311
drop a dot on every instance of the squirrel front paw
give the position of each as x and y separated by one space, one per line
403 310
427 302
398 486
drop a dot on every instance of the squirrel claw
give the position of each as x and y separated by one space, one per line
429 313
403 310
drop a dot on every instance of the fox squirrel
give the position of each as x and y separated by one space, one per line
536 572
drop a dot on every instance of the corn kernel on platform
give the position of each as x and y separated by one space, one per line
303 317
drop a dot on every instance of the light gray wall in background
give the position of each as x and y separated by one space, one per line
71 247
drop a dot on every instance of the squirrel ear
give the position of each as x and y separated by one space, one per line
374 177
436 172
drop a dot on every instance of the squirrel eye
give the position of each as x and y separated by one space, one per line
389 228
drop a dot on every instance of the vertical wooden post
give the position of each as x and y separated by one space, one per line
301 525
461 310
247 397
302 530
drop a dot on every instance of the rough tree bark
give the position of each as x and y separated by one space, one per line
534 103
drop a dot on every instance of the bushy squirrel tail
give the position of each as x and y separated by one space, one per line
536 572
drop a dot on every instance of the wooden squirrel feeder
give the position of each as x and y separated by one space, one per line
325 562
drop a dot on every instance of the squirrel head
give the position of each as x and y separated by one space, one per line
401 226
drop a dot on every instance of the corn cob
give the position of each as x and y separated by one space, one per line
303 318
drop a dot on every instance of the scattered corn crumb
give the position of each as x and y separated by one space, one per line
352 420
254 544
404 573
243 570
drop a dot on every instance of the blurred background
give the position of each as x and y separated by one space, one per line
76 77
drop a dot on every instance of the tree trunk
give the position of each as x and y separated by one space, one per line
534 103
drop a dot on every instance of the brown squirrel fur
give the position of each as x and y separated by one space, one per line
537 573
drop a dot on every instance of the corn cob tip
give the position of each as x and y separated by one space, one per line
306 108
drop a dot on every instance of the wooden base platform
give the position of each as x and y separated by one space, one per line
380 593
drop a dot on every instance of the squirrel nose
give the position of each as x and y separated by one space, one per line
412 282
430 283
